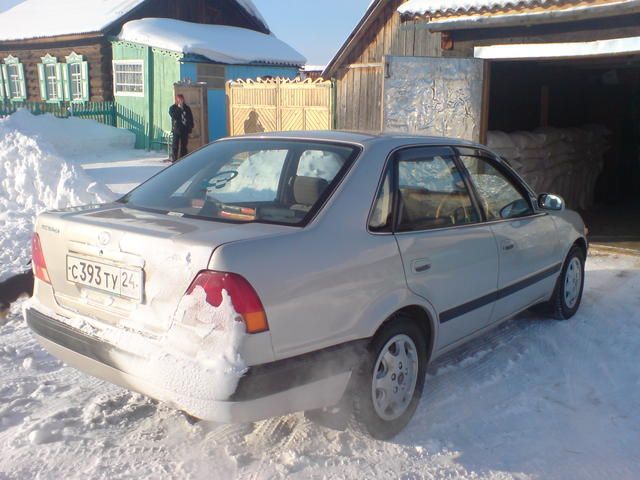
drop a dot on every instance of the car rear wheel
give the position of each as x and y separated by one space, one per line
568 292
390 380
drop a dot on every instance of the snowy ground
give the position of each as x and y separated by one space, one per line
535 399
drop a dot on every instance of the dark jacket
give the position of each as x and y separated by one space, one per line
181 123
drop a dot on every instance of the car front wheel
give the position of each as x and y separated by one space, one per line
568 292
390 381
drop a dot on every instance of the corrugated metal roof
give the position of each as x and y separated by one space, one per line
461 7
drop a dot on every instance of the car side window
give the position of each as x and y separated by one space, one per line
499 197
319 164
382 214
432 192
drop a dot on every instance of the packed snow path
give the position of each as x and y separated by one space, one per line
535 399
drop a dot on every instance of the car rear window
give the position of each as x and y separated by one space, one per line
244 180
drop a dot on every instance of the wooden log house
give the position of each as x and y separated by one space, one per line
54 56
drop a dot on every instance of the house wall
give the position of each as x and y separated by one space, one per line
96 51
96 48
166 72
359 76
197 11
148 116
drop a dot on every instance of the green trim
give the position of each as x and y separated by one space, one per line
22 87
148 88
3 75
47 61
75 59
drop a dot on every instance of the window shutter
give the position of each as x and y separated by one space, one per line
59 88
23 83
85 81
4 84
66 82
43 82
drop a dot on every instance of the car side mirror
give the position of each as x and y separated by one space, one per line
549 201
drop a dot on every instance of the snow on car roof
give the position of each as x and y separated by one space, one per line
22 19
219 43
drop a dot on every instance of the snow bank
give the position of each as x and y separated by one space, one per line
219 43
39 171
534 399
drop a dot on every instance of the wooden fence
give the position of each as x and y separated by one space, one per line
279 105
103 112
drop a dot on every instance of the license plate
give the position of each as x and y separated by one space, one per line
124 282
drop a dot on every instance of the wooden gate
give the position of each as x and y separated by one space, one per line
195 95
279 104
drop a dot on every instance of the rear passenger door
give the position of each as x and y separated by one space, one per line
526 238
450 257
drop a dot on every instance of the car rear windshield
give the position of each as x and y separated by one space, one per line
244 180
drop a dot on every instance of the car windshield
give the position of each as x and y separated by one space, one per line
243 180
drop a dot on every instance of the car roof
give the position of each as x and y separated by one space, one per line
363 137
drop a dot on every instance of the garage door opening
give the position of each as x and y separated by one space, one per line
572 127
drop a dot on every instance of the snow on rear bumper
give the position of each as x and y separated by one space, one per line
308 382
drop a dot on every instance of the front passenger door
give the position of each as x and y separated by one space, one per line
449 255
527 240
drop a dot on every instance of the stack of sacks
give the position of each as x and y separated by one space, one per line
564 161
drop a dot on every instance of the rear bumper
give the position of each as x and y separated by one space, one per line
307 382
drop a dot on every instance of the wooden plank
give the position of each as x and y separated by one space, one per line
355 105
486 100
410 39
365 101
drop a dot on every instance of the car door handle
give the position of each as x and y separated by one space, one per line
508 245
420 266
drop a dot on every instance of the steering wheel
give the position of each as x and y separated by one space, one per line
220 179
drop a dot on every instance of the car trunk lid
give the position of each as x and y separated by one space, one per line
159 253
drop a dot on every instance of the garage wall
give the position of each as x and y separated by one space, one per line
359 75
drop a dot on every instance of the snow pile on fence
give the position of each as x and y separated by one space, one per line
39 171
566 162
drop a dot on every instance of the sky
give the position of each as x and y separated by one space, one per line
316 28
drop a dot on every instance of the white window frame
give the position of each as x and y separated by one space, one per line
76 61
12 61
44 77
117 63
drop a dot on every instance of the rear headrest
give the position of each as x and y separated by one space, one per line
307 190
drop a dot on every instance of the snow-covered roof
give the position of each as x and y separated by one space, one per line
22 19
219 43
443 7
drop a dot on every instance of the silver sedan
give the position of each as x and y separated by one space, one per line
291 272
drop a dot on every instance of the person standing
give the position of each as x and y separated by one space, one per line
181 127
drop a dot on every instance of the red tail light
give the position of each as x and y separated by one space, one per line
244 298
39 265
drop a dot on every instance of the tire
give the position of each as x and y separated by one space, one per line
567 295
402 371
